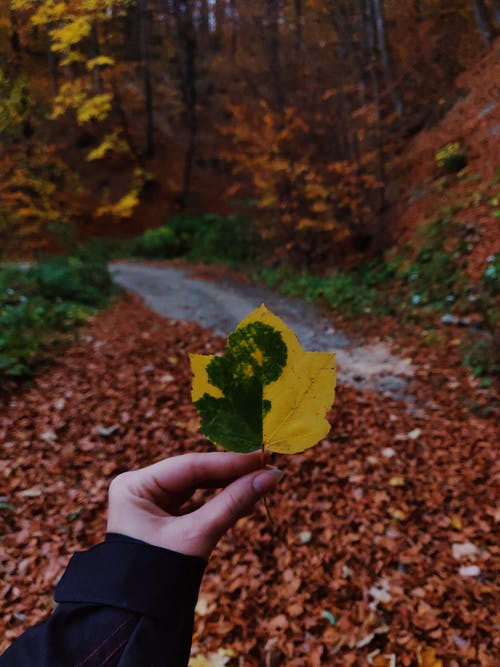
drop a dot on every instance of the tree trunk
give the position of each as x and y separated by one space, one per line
379 16
204 26
495 8
186 36
220 21
96 52
52 62
146 77
234 28
299 28
273 46
125 126
483 21
369 34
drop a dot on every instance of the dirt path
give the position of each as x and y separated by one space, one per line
172 292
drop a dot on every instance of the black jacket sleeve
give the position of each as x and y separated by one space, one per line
123 603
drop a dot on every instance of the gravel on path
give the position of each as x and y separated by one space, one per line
171 292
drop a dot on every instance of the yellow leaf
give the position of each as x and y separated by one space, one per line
397 481
219 659
100 61
201 384
300 397
71 33
266 391
427 658
456 522
94 108
108 144
123 208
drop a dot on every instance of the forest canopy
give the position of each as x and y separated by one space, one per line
292 109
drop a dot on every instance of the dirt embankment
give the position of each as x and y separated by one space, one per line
422 192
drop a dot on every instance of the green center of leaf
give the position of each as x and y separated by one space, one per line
255 356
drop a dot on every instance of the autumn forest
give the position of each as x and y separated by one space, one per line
166 167
296 110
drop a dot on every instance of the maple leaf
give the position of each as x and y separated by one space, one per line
265 391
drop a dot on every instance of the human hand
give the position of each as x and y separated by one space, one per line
146 504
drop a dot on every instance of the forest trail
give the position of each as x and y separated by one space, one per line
221 304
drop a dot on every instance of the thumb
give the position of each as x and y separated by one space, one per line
236 500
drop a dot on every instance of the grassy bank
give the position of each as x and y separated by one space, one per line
42 304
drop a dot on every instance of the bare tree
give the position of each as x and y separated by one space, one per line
187 58
272 18
495 8
483 21
299 28
379 16
146 75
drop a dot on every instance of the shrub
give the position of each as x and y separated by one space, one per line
158 243
481 355
71 279
26 329
451 158
223 239
102 250
39 305
207 238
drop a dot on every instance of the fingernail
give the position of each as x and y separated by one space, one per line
267 480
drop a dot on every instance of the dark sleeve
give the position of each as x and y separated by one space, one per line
123 603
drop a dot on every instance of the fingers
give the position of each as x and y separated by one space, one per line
189 471
234 502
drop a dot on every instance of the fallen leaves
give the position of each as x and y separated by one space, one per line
380 560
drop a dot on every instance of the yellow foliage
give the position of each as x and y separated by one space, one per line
71 57
94 108
110 143
13 103
71 96
271 154
124 208
30 200
70 33
48 12
100 61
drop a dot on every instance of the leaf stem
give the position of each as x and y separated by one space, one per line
266 505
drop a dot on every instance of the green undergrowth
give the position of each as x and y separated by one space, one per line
350 293
205 238
425 283
41 304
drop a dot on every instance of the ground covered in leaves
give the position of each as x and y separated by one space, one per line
388 541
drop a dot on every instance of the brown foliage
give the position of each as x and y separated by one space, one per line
369 517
